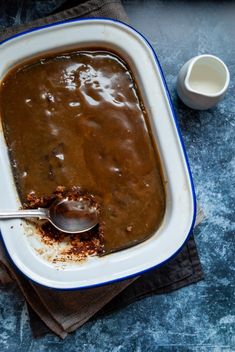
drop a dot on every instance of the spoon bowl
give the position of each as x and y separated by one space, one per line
73 216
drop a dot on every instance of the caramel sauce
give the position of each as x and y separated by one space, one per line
76 119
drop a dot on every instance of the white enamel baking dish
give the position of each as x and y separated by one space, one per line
180 206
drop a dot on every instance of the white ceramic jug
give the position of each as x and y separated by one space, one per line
202 82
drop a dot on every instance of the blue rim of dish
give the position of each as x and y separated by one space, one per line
34 29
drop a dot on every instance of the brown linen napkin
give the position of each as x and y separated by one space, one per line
63 312
91 8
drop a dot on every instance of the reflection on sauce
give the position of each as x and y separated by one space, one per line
76 119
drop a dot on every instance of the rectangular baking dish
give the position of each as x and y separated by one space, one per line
180 203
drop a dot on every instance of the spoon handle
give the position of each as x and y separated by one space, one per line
28 213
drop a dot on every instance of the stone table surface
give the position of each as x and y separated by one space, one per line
200 317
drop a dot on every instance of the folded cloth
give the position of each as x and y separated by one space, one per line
91 8
63 312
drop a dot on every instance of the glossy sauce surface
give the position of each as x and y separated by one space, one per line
76 119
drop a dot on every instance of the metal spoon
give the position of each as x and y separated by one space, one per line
66 215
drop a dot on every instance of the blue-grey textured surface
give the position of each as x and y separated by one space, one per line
200 317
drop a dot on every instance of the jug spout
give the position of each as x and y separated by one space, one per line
203 81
